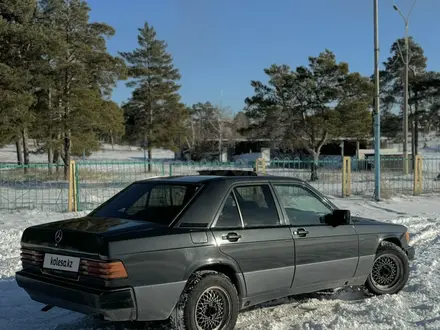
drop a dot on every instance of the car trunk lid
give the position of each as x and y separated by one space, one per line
87 235
74 249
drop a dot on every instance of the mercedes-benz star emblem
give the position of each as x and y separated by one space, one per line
58 236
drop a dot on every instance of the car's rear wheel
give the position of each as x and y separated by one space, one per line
390 271
210 302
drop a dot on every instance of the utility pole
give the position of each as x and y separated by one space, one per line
376 103
405 106
220 128
405 61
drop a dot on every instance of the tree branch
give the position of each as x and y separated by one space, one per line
322 141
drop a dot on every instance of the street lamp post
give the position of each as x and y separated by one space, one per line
376 104
405 61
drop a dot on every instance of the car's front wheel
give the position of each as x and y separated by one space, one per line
390 270
209 303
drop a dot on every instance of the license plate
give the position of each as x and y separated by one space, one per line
66 263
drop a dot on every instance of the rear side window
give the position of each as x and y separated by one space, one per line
154 202
229 216
257 206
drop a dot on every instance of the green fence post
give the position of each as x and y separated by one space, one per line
170 169
163 168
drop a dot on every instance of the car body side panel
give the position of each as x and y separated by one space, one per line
371 233
325 255
265 256
159 267
156 302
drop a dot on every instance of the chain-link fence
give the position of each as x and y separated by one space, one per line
35 186
98 181
44 187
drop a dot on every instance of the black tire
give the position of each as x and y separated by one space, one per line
202 286
390 271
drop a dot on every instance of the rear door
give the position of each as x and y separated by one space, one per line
323 254
250 230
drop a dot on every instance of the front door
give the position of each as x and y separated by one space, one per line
249 230
324 255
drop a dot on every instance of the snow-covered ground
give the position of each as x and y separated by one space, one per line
118 152
417 306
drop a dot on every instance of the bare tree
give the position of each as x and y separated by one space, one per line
220 122
208 123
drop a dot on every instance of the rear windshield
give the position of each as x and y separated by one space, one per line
154 202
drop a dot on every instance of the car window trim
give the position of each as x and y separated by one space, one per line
305 187
238 208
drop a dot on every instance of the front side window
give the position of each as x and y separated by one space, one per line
148 201
302 207
257 206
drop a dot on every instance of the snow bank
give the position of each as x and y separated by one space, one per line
418 305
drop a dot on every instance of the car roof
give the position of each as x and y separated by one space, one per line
192 179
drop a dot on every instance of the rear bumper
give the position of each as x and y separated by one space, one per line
112 305
410 252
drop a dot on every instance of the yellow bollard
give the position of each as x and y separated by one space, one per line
72 203
263 165
418 176
346 176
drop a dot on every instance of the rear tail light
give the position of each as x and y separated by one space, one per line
107 270
31 257
103 269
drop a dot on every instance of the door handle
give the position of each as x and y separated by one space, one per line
301 232
231 237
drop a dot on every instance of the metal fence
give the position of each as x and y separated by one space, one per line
98 181
35 186
44 187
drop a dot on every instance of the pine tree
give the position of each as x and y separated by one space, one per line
154 114
82 73
423 85
307 107
112 121
22 43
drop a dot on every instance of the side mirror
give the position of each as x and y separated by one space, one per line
338 218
